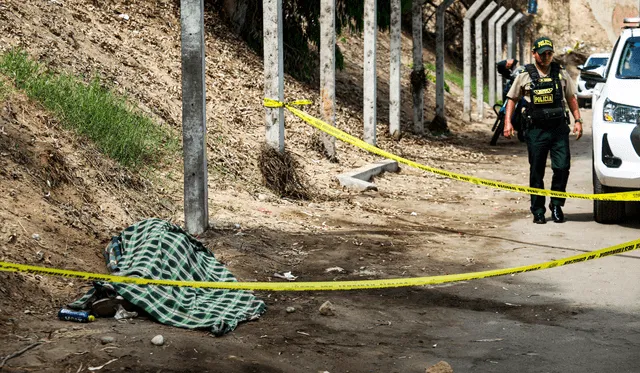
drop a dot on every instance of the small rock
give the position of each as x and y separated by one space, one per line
262 197
441 367
36 237
291 310
63 330
28 312
107 339
326 309
158 340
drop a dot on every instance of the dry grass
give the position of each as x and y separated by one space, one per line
281 173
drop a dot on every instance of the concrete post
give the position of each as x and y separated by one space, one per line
511 41
440 15
370 86
491 53
328 72
194 131
500 48
395 51
273 71
479 59
417 91
521 36
466 45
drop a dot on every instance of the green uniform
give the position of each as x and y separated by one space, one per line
544 137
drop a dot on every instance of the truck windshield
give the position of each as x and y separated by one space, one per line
629 65
597 61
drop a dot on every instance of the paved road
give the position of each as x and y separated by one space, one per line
578 318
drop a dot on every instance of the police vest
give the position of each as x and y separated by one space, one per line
546 106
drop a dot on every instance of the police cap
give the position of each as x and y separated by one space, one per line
542 45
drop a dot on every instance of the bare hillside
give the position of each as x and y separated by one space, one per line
62 201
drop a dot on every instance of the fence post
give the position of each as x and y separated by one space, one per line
500 48
466 45
273 71
440 15
521 31
194 131
511 42
328 73
395 49
479 59
491 53
417 90
370 82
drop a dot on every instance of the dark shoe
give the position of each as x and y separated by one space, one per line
538 218
556 214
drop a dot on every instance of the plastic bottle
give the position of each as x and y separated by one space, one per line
77 316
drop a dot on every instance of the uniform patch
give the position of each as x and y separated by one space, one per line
543 99
543 91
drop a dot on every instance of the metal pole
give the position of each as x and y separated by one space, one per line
491 53
328 72
370 86
499 47
466 45
194 131
440 14
273 71
395 49
480 59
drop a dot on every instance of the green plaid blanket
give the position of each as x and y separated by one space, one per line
157 249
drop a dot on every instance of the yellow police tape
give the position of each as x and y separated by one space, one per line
323 126
325 285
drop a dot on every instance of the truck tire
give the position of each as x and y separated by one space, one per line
606 212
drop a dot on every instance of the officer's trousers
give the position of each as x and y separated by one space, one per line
540 142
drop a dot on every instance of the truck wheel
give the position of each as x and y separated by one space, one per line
606 212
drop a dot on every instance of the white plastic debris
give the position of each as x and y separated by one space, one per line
286 276
124 16
122 314
102 366
335 269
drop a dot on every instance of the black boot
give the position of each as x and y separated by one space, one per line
538 218
557 214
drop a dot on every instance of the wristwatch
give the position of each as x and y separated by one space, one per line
580 120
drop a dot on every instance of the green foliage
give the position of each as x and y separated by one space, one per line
120 131
301 30
431 75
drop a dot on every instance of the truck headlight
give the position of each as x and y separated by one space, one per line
613 112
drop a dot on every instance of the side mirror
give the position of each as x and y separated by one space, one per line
580 67
594 75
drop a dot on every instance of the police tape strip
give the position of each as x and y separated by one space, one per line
341 135
325 285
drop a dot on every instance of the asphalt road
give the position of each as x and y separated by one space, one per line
578 318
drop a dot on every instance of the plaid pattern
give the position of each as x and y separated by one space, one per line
157 249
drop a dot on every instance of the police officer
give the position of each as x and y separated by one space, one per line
546 87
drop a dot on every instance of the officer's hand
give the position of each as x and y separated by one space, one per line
577 130
508 130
